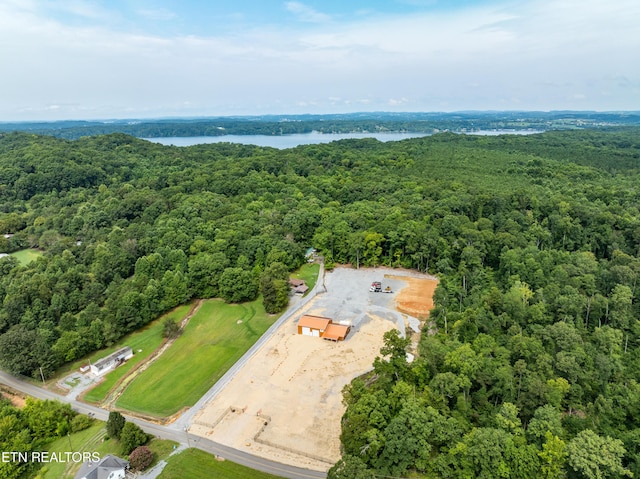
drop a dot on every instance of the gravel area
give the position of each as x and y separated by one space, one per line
286 402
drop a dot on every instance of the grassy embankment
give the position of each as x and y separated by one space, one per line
92 440
215 338
143 342
195 464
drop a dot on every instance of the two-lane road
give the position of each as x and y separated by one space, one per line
178 431
167 432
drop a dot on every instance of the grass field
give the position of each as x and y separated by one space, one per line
309 273
143 342
93 439
195 464
215 338
26 256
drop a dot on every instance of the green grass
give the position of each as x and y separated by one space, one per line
213 341
161 449
147 339
309 273
92 440
26 256
196 464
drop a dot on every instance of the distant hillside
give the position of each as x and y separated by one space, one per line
336 123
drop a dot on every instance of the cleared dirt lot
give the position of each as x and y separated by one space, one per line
286 403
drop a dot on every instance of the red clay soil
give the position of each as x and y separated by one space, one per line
17 401
416 299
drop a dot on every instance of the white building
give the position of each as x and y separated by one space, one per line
112 361
109 467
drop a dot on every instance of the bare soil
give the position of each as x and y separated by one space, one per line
286 403
416 299
16 400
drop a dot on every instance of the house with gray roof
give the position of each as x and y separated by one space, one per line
109 467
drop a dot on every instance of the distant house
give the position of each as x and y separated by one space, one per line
109 467
323 328
310 255
112 361
298 286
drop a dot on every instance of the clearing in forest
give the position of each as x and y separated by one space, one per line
26 256
285 404
214 339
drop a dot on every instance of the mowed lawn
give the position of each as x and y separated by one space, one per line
196 464
215 338
92 440
143 343
309 273
26 256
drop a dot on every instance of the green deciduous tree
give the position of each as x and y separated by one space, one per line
350 467
553 456
596 457
274 287
482 454
115 424
23 351
237 285
170 328
393 362
131 437
407 441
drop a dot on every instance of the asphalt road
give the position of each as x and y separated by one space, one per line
167 432
178 430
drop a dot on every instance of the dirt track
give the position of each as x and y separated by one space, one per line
286 403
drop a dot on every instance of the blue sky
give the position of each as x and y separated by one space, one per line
93 59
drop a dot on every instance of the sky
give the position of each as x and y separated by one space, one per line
108 59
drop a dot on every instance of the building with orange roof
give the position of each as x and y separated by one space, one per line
336 332
321 327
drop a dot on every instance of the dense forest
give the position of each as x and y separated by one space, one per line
381 122
530 367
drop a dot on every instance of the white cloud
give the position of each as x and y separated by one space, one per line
534 55
394 102
88 9
306 13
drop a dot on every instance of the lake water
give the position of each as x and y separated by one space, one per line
291 141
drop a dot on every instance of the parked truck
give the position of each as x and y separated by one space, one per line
376 287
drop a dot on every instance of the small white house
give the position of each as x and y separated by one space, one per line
109 467
112 361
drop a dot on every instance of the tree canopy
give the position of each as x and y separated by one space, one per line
531 361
